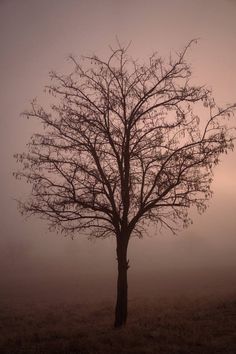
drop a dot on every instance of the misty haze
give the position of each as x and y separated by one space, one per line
58 294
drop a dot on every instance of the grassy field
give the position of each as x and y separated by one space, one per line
178 325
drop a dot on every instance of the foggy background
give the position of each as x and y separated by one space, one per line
36 37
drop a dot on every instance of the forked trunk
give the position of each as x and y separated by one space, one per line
122 285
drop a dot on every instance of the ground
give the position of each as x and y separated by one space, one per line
171 324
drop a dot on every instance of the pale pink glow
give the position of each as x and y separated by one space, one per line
37 36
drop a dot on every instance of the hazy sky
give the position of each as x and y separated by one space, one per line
37 36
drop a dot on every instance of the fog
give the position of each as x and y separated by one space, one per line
36 37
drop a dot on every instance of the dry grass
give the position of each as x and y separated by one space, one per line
179 325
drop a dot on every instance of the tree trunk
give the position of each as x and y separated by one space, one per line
122 285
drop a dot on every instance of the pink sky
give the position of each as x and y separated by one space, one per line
37 36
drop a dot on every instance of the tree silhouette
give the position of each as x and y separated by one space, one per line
122 146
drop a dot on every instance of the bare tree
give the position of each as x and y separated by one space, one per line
123 146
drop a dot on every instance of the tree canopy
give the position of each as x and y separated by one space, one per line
123 144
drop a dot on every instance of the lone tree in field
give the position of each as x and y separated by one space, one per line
122 146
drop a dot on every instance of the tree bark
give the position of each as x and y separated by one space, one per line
122 285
